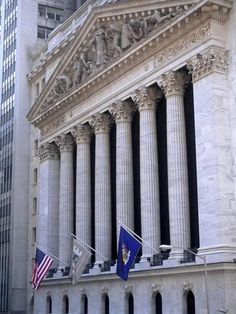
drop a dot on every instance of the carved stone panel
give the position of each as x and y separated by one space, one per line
104 43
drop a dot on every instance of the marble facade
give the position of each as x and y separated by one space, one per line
128 60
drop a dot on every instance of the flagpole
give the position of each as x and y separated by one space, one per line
135 234
76 239
40 247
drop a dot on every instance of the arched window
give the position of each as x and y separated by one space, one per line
49 305
106 304
158 303
31 305
84 304
131 304
190 303
65 304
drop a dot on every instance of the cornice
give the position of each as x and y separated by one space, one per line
157 41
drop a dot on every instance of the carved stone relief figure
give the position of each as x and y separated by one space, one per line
116 34
99 42
104 44
128 35
152 21
80 69
62 85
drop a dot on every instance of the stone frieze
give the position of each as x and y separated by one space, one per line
104 44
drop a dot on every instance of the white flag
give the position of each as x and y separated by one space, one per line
80 258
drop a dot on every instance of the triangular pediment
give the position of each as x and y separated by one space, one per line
110 34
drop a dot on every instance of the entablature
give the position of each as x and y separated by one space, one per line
86 68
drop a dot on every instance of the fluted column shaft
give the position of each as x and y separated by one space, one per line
65 145
82 134
49 172
101 124
122 112
149 175
173 85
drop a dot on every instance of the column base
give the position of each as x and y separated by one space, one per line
171 262
223 253
95 270
142 265
58 274
63 270
145 258
176 254
98 264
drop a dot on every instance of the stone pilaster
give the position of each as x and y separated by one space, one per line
49 173
173 84
66 145
149 176
82 135
101 124
122 112
215 161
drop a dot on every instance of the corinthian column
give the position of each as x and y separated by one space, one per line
122 112
173 85
82 135
101 125
47 229
149 183
65 145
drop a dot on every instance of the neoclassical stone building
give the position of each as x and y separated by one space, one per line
136 123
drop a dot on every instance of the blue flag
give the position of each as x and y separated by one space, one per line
127 252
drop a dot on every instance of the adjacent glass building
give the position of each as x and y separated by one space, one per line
24 26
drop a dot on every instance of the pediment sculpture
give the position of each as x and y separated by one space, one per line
104 44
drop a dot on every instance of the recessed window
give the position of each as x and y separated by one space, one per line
34 235
43 82
35 205
36 146
43 32
35 176
37 89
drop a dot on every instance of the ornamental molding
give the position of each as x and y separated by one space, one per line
81 133
174 83
122 111
104 290
83 291
128 289
184 44
101 123
147 98
110 43
187 286
214 59
53 125
156 288
48 151
65 143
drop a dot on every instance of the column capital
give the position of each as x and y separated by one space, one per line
65 143
48 151
101 123
81 133
122 110
214 59
146 98
174 83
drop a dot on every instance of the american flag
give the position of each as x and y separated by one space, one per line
41 266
